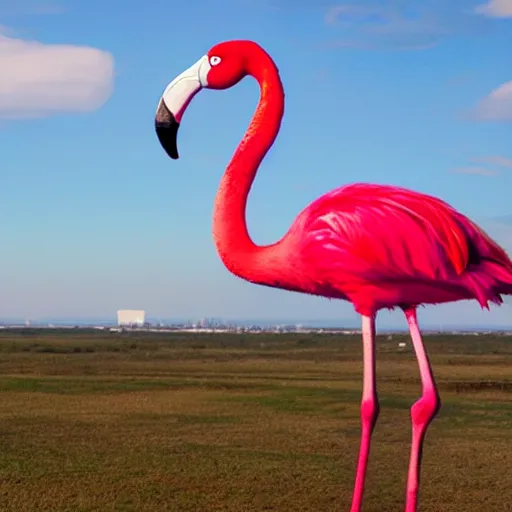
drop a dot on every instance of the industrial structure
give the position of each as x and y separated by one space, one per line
131 318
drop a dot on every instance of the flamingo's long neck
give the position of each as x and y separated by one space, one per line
234 245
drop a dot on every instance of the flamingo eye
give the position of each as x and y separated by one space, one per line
214 61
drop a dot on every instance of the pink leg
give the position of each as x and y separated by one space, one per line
369 408
422 412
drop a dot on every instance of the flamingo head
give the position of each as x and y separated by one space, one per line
222 67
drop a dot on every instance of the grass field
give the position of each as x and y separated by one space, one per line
93 421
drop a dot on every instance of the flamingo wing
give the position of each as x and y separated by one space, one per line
384 232
365 234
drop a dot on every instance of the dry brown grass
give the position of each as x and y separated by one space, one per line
96 422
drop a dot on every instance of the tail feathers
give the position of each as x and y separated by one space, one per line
488 281
505 289
502 276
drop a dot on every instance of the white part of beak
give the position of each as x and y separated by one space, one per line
183 88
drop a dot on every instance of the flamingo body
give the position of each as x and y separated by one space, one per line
384 246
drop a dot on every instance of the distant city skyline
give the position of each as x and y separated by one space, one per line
96 218
386 322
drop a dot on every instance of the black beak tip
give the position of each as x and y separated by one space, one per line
167 135
166 128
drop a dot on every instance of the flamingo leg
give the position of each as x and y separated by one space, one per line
369 408
422 412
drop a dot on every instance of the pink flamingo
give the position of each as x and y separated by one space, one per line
375 246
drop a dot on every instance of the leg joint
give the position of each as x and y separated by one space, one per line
425 409
370 410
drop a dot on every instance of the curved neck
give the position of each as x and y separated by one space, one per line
234 245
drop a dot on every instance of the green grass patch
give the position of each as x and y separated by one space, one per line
94 421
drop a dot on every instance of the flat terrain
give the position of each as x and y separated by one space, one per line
94 421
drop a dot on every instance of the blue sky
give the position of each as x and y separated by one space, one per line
95 217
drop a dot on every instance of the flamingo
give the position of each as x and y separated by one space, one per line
376 246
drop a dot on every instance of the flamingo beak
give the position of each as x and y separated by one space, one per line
174 101
166 128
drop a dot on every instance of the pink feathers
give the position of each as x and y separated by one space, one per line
383 246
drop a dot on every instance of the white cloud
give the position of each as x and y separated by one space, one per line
42 79
29 8
497 106
387 24
496 160
479 171
399 25
380 26
496 9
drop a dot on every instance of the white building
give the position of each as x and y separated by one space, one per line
131 318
